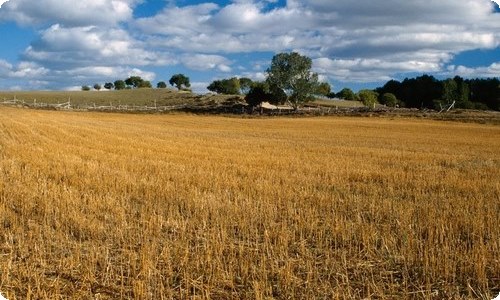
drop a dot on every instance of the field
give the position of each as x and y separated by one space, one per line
118 206
138 97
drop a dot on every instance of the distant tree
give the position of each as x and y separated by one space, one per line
161 85
368 97
389 99
291 73
225 86
180 81
144 84
346 94
323 89
259 92
97 87
134 81
109 85
245 85
120 85
85 88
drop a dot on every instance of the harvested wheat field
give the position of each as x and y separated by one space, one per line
116 206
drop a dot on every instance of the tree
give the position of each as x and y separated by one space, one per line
225 86
323 89
291 73
109 85
144 84
245 85
85 88
180 81
346 94
368 97
97 87
258 93
134 81
120 85
389 99
161 85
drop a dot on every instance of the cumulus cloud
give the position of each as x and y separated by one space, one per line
67 47
362 41
203 62
67 12
368 40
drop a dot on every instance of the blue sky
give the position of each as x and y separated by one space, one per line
62 45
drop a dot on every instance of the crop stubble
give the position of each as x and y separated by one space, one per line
179 206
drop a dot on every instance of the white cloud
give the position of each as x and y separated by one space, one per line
78 46
492 70
2 2
203 62
364 40
68 12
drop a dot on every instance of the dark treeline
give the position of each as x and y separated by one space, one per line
428 92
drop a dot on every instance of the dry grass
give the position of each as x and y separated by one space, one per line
111 206
139 97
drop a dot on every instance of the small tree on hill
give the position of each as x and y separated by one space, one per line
145 84
85 88
134 81
161 85
225 86
245 85
258 93
97 87
120 85
346 94
368 97
180 81
109 85
389 99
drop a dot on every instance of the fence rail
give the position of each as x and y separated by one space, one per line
91 107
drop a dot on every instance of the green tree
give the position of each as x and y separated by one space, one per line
145 84
97 87
346 94
450 90
161 85
180 81
225 86
258 93
245 85
120 85
323 89
134 81
389 99
368 97
291 73
109 85
85 88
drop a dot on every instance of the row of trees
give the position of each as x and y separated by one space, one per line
289 79
428 92
178 80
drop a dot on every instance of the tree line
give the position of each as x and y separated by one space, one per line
178 80
428 92
289 79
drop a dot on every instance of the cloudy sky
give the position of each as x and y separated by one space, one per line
64 44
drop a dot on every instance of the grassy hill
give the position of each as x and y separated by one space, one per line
140 97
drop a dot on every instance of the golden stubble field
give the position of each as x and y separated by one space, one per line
116 206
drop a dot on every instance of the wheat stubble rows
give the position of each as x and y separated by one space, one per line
114 206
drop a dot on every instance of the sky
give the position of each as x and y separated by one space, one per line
64 44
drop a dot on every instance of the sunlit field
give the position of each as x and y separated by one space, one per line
118 206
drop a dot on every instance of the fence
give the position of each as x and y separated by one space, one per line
91 107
